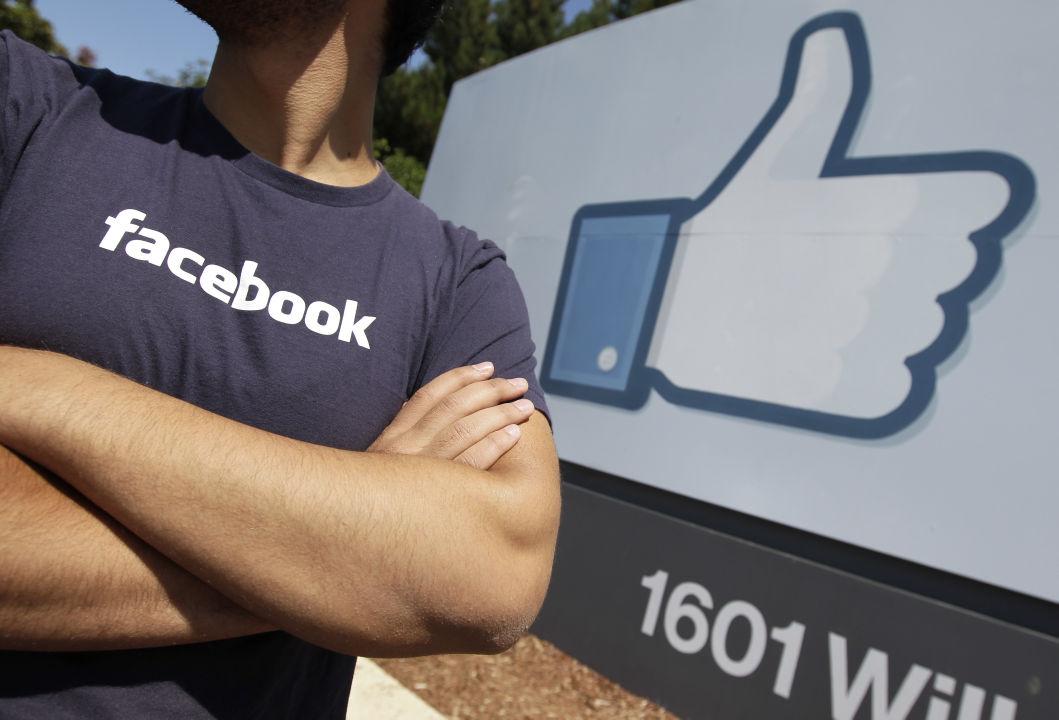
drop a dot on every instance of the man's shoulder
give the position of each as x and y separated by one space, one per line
464 244
30 75
17 48
461 244
38 85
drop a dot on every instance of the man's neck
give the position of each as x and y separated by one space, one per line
306 104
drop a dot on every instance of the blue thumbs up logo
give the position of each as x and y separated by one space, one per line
806 286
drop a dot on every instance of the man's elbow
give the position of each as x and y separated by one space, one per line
500 603
517 598
510 608
531 510
487 620
483 612
493 588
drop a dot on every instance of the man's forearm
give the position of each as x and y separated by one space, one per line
76 580
361 552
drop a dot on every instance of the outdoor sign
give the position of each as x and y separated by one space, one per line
795 259
717 628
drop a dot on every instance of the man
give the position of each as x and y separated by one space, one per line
261 410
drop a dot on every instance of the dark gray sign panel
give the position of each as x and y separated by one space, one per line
716 627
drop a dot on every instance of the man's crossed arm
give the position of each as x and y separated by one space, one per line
441 540
74 579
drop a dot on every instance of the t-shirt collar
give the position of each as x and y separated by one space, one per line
221 142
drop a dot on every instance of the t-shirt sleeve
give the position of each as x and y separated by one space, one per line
6 109
32 87
484 318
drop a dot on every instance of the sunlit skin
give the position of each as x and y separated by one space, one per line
306 102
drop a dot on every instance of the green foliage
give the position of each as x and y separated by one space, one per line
409 107
25 20
524 25
628 8
464 41
193 74
600 13
404 168
473 35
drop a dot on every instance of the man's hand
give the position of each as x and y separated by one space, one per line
459 415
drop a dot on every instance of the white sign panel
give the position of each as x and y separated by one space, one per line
793 258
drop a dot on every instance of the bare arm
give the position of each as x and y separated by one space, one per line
365 553
74 579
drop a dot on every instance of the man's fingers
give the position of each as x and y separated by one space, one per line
468 400
426 397
443 415
491 448
464 434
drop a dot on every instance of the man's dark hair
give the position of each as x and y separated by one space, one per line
407 25
258 22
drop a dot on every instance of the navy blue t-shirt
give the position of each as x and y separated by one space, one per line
137 234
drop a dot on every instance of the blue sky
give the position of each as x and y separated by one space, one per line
132 36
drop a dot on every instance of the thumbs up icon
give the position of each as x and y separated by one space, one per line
806 286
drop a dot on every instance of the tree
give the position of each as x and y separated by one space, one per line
463 41
405 169
85 56
193 74
409 108
524 25
600 13
627 8
23 18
